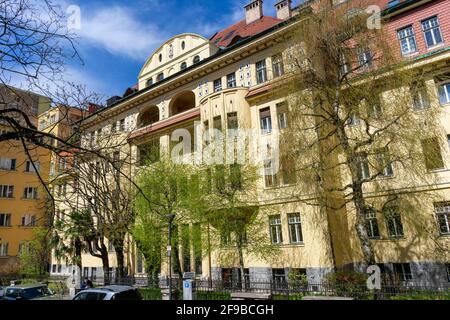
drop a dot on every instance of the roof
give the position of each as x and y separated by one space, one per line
241 30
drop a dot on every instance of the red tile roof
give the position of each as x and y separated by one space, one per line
241 30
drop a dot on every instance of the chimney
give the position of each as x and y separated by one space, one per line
253 11
284 9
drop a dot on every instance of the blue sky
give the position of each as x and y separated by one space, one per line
116 37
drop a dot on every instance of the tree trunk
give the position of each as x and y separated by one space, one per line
105 262
120 261
241 264
360 225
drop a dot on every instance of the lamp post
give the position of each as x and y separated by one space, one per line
170 218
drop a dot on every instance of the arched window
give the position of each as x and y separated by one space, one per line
196 59
183 66
182 102
149 82
160 77
183 45
148 116
160 57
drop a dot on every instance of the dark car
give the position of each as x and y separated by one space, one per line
27 292
109 293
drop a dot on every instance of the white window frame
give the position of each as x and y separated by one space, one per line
445 86
30 193
4 249
371 220
6 220
231 80
261 72
276 232
295 222
431 28
406 36
217 85
7 164
443 209
6 191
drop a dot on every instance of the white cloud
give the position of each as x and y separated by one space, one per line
119 31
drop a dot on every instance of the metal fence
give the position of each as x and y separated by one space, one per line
284 290
151 287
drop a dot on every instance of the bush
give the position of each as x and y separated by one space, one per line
150 294
423 296
349 284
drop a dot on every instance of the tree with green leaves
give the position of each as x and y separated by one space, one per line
359 116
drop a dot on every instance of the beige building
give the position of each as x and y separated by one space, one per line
230 80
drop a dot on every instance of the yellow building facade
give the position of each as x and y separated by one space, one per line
232 78
23 198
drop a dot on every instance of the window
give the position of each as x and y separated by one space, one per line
261 72
266 120
30 193
432 32
277 66
28 220
6 191
217 123
231 80
444 93
160 77
282 110
149 82
7 164
270 175
448 140
365 57
183 45
232 124
420 97
344 66
93 273
442 211
402 271
353 119
372 225
275 229
393 3
288 171
122 125
196 59
363 166
375 109
295 228
279 276
183 66
394 223
407 40
217 85
31 168
3 249
384 163
110 246
5 220
432 152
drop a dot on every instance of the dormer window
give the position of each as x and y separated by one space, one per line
196 59
149 82
183 66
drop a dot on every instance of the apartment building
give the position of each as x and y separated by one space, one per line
230 80
22 196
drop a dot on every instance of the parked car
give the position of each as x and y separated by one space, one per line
28 292
109 293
